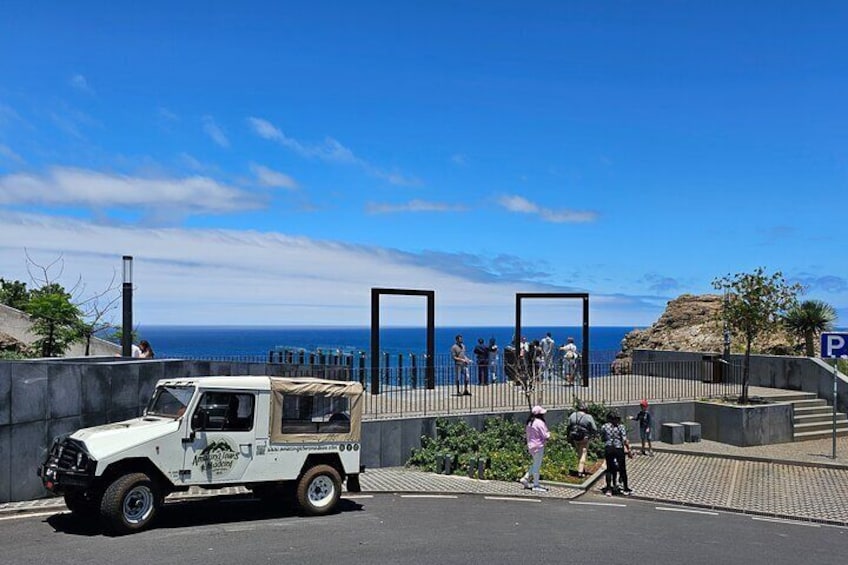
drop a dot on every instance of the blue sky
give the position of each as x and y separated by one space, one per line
270 163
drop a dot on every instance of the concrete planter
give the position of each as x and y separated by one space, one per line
761 424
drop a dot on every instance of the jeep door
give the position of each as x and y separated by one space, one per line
219 441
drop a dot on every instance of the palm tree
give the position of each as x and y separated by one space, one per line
809 318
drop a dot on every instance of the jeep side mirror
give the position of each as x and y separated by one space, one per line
200 420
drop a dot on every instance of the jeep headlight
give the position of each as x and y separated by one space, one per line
82 460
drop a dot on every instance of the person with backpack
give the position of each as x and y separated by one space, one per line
581 428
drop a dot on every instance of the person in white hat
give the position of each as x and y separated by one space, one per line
537 436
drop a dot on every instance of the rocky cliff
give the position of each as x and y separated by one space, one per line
693 323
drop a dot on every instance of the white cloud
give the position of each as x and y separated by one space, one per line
329 151
271 178
63 186
265 129
7 153
413 206
166 114
229 277
521 205
80 83
214 131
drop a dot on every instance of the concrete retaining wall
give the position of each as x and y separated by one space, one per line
745 425
806 374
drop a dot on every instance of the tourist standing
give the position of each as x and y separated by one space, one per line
569 360
460 365
142 350
547 364
581 428
616 451
481 355
645 425
493 360
537 434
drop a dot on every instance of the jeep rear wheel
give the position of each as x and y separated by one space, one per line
318 490
129 504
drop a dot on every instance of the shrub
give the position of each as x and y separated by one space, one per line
502 443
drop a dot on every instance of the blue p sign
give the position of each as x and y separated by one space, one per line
834 345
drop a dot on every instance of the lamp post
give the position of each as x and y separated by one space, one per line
126 292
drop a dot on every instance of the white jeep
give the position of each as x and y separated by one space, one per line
282 438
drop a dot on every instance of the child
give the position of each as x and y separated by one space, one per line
645 424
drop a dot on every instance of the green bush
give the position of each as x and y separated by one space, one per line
502 443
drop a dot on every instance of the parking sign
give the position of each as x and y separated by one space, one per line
834 345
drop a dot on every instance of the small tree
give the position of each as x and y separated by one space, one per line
755 305
807 319
55 319
92 309
14 294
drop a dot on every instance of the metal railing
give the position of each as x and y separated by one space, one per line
656 382
403 391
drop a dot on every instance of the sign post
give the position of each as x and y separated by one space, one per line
834 346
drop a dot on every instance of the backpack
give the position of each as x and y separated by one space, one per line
577 432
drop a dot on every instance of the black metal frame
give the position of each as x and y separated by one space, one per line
584 296
430 368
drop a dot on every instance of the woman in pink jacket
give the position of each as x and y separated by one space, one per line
537 436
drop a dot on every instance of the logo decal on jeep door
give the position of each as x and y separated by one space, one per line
217 458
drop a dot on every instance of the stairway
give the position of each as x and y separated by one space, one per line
813 415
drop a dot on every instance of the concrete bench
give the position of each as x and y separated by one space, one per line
673 433
691 431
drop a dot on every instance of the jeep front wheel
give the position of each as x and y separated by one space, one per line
318 490
129 504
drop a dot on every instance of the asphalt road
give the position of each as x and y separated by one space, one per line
421 529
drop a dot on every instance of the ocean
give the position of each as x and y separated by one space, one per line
216 342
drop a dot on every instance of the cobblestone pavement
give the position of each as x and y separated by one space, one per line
768 488
810 452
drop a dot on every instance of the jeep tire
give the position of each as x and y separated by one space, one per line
129 504
318 490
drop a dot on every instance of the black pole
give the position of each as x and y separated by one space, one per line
127 321
586 340
430 362
375 341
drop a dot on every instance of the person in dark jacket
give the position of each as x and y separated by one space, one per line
481 355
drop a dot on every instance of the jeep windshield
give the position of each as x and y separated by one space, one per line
170 401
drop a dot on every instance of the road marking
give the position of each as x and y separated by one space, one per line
357 496
512 499
21 516
687 510
784 521
428 496
613 504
